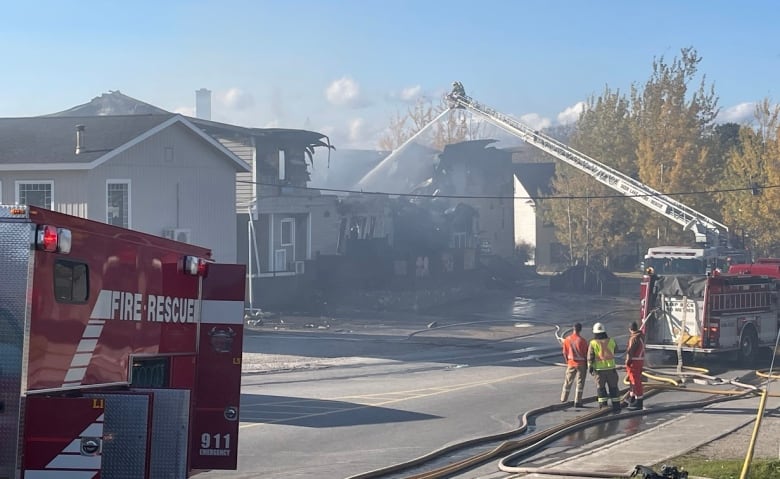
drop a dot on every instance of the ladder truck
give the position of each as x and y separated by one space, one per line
680 309
707 231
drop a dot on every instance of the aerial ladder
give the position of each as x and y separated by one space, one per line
706 230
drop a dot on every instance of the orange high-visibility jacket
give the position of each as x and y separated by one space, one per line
575 350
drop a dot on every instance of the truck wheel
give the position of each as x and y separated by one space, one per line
748 347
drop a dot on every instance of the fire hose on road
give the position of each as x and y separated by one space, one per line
525 446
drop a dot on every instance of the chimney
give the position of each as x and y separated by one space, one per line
80 146
203 104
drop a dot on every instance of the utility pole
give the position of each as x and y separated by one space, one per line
660 188
571 237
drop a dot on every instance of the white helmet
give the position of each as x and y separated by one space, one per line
599 328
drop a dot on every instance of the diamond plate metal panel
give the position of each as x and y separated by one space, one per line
125 433
14 211
170 433
15 272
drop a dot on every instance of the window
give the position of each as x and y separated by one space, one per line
458 240
341 247
71 282
288 232
36 193
118 203
282 165
150 373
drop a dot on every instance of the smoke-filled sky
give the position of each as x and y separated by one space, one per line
344 67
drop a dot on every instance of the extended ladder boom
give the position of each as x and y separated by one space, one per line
704 228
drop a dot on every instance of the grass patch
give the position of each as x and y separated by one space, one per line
725 469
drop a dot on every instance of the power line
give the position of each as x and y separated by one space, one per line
500 197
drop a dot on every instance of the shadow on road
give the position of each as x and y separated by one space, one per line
318 413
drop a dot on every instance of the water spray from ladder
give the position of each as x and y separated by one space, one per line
384 164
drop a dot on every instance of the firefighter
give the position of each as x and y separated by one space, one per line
601 364
575 351
635 363
457 89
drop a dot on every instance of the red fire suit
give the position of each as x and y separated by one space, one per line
635 362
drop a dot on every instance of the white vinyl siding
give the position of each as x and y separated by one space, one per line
195 192
36 193
118 203
245 188
176 180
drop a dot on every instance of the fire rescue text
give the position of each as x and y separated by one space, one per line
128 306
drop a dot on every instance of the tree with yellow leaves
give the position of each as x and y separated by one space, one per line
593 223
671 128
454 127
754 211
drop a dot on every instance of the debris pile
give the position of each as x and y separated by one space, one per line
586 279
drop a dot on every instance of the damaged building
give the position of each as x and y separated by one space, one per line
460 206
299 240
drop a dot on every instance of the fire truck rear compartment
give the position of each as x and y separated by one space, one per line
138 433
15 264
677 317
712 314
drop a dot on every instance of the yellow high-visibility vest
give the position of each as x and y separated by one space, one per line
604 350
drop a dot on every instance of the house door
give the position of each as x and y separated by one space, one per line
285 256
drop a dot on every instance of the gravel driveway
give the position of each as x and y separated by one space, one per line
734 445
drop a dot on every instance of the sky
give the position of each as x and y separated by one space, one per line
346 67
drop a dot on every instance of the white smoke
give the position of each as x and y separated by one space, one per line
740 113
234 99
410 93
535 121
344 92
571 114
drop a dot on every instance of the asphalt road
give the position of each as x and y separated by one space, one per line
352 398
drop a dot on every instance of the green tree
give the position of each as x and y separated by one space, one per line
599 223
755 160
724 140
671 127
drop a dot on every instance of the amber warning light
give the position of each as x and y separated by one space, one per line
53 240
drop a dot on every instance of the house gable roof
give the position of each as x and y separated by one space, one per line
49 143
536 178
112 103
276 138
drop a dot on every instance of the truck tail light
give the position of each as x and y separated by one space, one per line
53 240
713 333
195 266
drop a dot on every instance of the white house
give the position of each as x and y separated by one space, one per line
156 173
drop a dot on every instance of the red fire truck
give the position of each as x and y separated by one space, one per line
120 352
710 313
763 266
